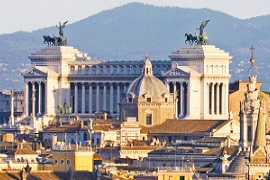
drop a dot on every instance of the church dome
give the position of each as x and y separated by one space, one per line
147 84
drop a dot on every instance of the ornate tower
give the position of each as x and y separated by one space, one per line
249 109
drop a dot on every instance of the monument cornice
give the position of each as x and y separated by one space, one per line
89 63
98 77
215 76
113 79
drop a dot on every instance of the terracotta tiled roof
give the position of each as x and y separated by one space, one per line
212 140
229 150
25 151
144 130
140 147
72 128
106 125
47 175
172 126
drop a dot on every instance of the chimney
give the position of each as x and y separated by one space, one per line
228 141
54 140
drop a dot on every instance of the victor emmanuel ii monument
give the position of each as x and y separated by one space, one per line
197 77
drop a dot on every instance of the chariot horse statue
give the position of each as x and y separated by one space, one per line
199 39
56 41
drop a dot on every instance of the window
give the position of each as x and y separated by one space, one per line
148 119
94 69
249 133
130 99
62 162
79 68
86 68
55 162
148 99
72 68
98 141
166 99
68 162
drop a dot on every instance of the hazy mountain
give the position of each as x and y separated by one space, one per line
131 31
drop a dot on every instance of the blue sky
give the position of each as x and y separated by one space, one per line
28 15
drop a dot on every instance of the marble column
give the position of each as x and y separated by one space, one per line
97 97
118 98
75 98
175 100
181 98
217 98
90 98
222 98
111 98
26 96
46 97
104 97
83 98
188 90
39 98
226 99
125 89
11 120
207 98
212 98
33 99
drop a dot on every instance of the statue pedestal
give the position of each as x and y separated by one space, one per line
63 118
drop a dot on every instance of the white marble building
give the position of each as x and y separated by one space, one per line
197 75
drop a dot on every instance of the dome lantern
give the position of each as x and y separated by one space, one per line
148 67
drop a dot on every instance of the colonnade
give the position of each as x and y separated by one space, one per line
180 92
217 98
35 98
90 97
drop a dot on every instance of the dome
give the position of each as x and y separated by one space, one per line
147 83
239 165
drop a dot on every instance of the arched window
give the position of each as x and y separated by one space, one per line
55 162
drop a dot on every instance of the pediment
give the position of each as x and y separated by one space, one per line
176 72
35 72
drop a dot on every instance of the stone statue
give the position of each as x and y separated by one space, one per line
56 41
199 39
252 100
252 83
190 39
61 28
65 109
202 26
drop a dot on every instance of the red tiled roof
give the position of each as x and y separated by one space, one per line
25 151
140 147
229 150
52 175
172 126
